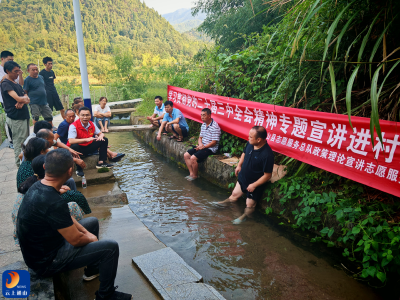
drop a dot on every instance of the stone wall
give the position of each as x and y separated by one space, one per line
219 173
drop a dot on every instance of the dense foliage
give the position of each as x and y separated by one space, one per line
33 29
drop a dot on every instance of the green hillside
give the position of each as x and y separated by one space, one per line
35 28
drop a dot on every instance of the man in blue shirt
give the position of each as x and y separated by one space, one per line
175 122
34 87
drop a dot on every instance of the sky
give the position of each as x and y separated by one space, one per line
167 6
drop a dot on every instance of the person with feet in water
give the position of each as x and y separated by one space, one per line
210 134
254 170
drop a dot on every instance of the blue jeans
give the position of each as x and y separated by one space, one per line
102 120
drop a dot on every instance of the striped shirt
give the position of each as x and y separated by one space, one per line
210 133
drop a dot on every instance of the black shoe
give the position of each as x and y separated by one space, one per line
117 158
104 165
116 296
80 173
90 275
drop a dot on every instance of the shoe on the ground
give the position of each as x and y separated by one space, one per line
104 165
11 146
80 173
117 158
116 296
90 275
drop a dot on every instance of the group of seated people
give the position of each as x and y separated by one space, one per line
48 212
255 165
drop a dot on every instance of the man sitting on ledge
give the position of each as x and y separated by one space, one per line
175 123
52 241
85 137
62 134
158 114
210 134
254 169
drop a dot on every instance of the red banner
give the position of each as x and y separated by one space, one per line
323 140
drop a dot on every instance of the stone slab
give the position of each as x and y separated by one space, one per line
194 291
94 177
130 128
121 111
172 277
124 104
109 199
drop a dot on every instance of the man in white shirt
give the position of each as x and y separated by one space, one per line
5 57
159 112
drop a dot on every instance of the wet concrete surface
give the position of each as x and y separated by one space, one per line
255 260
120 224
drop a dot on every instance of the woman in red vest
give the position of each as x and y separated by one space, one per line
84 135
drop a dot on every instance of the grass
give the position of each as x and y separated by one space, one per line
146 107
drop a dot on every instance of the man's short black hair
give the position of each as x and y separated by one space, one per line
47 59
158 97
84 108
58 162
44 133
69 109
170 103
261 132
29 66
40 125
5 54
207 110
10 65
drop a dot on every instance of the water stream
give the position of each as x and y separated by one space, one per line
255 260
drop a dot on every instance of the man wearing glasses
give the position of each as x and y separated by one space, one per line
15 105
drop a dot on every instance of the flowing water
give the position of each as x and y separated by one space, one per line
255 260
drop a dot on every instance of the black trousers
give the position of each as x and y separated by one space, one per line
101 255
93 147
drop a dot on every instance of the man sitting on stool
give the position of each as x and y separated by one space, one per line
254 169
52 241
85 137
210 134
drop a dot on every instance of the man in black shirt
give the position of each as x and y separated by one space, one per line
53 100
52 241
15 105
254 169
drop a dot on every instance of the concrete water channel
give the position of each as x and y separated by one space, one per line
256 260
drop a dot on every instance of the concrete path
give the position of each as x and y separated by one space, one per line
120 224
10 255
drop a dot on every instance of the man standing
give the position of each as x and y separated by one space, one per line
175 123
254 169
52 241
34 87
210 134
85 137
159 112
6 56
53 100
15 106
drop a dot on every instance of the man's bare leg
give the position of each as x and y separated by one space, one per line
155 123
169 129
188 162
248 211
236 194
195 167
178 130
101 125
